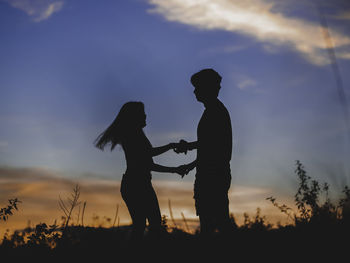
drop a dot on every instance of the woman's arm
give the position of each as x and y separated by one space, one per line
162 149
181 170
163 169
182 146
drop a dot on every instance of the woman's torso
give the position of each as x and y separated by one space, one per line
137 149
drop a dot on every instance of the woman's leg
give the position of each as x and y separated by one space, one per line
133 201
153 212
138 221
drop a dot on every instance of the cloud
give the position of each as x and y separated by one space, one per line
245 83
345 15
39 10
253 18
344 55
39 190
224 49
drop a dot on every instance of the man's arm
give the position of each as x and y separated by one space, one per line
192 145
191 166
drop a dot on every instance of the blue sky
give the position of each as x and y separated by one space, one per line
68 66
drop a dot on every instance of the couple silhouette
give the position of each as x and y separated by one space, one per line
214 149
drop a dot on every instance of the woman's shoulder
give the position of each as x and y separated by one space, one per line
136 140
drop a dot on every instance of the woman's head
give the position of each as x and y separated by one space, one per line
131 117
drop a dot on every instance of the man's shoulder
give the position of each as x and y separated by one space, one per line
216 113
221 109
221 105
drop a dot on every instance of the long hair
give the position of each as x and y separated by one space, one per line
122 125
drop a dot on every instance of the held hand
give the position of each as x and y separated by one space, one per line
181 147
173 145
183 170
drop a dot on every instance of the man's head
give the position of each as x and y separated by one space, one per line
207 84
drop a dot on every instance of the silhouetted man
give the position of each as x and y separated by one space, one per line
214 150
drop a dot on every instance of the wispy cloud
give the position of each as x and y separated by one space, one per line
227 49
39 10
254 18
245 83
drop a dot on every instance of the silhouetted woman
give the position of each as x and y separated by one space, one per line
136 187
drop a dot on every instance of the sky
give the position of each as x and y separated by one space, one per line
67 66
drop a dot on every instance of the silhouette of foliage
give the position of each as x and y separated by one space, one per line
8 211
257 223
41 235
307 200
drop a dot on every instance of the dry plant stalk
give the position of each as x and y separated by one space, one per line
186 225
82 215
72 202
171 214
116 216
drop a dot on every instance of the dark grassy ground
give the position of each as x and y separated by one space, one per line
112 244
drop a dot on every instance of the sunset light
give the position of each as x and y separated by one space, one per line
162 111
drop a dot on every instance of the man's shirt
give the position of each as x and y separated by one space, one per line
214 136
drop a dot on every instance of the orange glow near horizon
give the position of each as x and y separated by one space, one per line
40 194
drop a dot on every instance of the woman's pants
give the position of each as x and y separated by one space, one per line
142 203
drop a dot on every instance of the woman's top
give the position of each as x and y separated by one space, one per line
138 154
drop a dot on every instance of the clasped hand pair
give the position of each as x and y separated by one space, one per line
181 147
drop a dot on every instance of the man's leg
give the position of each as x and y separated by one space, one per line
206 225
223 221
